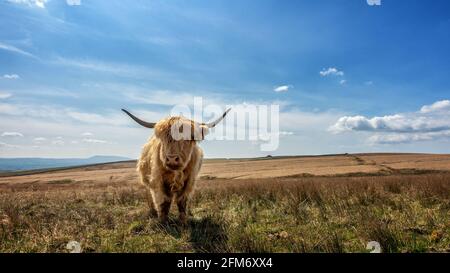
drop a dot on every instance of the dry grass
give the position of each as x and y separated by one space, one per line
404 212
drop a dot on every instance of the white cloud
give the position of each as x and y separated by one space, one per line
4 95
11 76
431 122
15 50
282 88
342 82
39 139
12 134
73 2
332 71
443 105
93 140
394 123
87 134
40 3
30 3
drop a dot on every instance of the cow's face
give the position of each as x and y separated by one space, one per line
176 154
176 148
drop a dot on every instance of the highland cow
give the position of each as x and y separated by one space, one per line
170 162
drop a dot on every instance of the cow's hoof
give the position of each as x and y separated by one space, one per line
163 220
183 220
153 213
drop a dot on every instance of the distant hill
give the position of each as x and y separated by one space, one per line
21 164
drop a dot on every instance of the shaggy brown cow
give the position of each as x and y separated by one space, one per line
170 162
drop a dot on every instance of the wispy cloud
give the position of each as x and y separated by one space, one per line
45 91
58 142
6 145
87 134
332 71
14 49
398 138
4 95
12 134
30 3
39 139
342 82
73 2
61 114
118 69
94 118
172 97
11 76
268 136
282 88
93 140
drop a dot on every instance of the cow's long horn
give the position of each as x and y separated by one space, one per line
214 123
146 124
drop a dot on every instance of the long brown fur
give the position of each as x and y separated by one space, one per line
164 184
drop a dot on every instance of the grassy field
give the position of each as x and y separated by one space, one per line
404 212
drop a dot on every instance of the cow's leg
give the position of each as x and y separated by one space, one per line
153 213
164 210
182 208
162 204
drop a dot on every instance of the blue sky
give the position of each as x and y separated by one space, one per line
352 77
